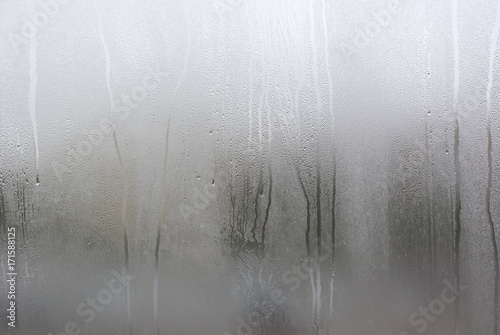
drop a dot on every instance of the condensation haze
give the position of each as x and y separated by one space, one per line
237 167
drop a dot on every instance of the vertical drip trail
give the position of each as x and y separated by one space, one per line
332 281
23 194
308 215
330 100
32 95
270 174
318 153
430 204
262 99
106 54
308 241
318 128
21 205
268 208
250 76
458 172
188 53
246 202
232 215
430 213
493 47
256 201
158 233
314 296
26 268
327 60
124 224
3 216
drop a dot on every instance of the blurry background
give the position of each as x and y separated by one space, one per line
253 167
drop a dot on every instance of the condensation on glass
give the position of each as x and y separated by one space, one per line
250 167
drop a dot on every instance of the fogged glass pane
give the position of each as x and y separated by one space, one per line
249 167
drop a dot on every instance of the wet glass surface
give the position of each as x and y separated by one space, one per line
249 167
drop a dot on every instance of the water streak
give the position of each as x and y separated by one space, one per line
458 179
330 100
106 54
158 233
188 54
124 225
250 76
319 107
493 48
429 164
270 174
32 100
